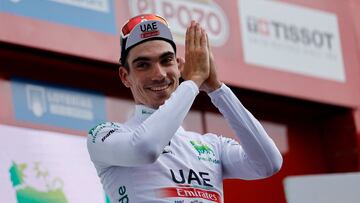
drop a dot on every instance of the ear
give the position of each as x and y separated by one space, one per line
123 74
181 63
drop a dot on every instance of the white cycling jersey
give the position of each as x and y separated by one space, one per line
151 158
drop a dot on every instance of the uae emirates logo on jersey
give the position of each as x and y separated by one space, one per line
188 192
204 152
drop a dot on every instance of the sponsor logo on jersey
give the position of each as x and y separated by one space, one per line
123 198
144 111
191 193
95 130
191 185
202 148
108 134
204 151
191 177
167 149
196 201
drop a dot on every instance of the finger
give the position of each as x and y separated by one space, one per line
198 36
209 48
191 34
207 41
187 37
204 39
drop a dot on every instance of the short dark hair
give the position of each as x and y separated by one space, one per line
126 65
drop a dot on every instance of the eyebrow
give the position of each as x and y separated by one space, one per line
167 54
144 58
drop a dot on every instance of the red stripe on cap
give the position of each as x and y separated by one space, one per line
150 34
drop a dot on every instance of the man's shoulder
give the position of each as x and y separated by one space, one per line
104 130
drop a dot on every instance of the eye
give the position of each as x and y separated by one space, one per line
142 65
168 60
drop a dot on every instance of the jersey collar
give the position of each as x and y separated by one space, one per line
142 112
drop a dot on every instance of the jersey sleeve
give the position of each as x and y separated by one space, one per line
114 144
257 156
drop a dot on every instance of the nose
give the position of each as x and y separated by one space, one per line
159 72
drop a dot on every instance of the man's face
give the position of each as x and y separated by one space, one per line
153 72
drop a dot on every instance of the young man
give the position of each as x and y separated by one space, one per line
151 158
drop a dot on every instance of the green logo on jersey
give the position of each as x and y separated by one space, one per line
29 194
202 148
143 111
205 153
93 132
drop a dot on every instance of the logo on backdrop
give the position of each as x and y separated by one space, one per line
60 103
180 13
291 38
97 15
25 192
290 33
46 167
35 98
57 106
96 5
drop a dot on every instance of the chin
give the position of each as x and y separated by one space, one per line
158 103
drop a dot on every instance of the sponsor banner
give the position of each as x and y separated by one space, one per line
57 106
179 14
291 38
96 15
292 54
36 168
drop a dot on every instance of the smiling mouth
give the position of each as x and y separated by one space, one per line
159 88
